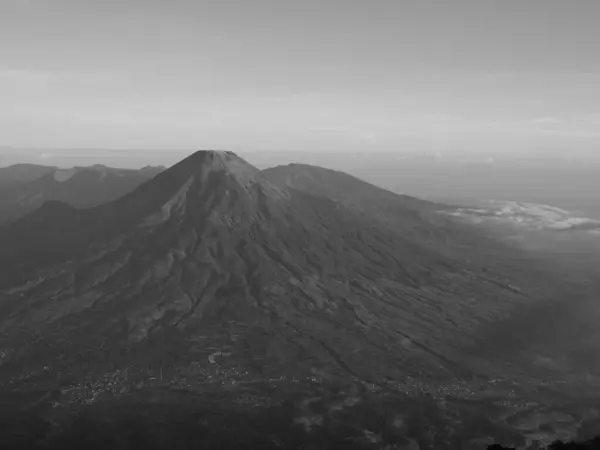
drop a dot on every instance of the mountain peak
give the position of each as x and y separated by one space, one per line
217 160
202 163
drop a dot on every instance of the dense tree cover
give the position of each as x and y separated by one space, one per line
187 422
592 444
164 426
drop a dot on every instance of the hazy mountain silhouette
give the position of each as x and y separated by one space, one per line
280 279
23 173
341 187
81 187
417 219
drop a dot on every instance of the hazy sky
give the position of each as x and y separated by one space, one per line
306 74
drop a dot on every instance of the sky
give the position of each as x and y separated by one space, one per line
325 75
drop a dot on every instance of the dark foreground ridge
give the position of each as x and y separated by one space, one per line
158 420
591 444
217 302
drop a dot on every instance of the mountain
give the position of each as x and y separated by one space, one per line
216 272
459 176
20 173
212 240
349 190
414 217
80 187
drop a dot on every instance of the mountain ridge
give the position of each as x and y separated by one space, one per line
80 187
18 173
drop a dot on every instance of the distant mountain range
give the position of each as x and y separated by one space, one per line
19 173
26 187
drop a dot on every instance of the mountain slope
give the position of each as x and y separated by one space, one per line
350 191
417 219
23 173
212 276
81 187
211 241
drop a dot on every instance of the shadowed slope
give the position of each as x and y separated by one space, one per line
23 173
348 190
80 187
417 219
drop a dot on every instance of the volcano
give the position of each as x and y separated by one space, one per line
281 279
214 273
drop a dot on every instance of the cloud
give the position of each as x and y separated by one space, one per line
367 136
347 131
38 81
592 119
578 126
332 129
547 121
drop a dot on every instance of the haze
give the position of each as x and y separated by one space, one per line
460 76
237 298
